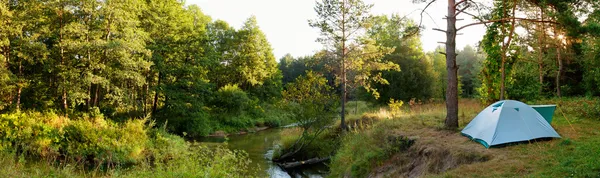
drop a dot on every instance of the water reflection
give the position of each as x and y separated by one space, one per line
260 147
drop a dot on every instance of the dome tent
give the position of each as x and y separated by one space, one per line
508 121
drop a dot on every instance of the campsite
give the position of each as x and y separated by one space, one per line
299 88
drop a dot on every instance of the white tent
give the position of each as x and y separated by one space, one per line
508 121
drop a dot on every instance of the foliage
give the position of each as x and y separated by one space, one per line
469 66
311 101
395 105
132 58
416 76
312 106
581 107
360 152
355 56
130 148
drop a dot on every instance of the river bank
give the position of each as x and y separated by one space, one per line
377 150
260 147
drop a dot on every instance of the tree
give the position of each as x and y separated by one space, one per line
455 9
312 104
255 61
438 62
469 62
7 30
341 23
416 77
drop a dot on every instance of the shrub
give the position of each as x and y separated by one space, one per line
231 99
95 142
581 107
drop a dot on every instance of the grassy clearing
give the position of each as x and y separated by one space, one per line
366 151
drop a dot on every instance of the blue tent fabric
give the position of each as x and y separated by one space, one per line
508 121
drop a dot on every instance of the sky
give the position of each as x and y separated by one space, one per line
285 22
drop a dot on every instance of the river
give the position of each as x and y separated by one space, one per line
260 147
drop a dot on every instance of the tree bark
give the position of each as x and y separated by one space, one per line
343 70
20 86
289 165
541 52
155 103
560 68
504 53
62 61
95 104
452 87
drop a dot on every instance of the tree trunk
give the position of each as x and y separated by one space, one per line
343 70
559 61
95 104
560 69
541 52
452 87
505 50
7 60
20 86
344 91
289 165
155 103
62 61
502 76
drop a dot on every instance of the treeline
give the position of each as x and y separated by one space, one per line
555 56
134 58
422 75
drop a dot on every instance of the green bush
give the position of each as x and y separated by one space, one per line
93 142
582 107
361 151
231 99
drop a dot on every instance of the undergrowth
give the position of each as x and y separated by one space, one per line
34 144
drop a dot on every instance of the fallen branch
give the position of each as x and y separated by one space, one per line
288 165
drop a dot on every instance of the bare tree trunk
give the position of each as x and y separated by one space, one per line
541 52
559 61
504 53
7 60
452 87
502 76
344 91
145 99
96 95
20 86
155 103
62 61
560 69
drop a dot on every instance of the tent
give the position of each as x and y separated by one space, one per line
547 111
508 121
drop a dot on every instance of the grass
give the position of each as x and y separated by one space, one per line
366 152
34 144
216 162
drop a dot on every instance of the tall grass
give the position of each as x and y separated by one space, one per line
575 155
36 144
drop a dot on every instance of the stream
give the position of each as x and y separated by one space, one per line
260 147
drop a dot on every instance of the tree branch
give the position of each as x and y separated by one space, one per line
462 10
476 17
423 11
506 19
460 2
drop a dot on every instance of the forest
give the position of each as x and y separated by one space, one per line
126 88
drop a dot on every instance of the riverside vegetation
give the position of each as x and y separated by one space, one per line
111 88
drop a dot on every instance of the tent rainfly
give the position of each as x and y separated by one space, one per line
508 121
